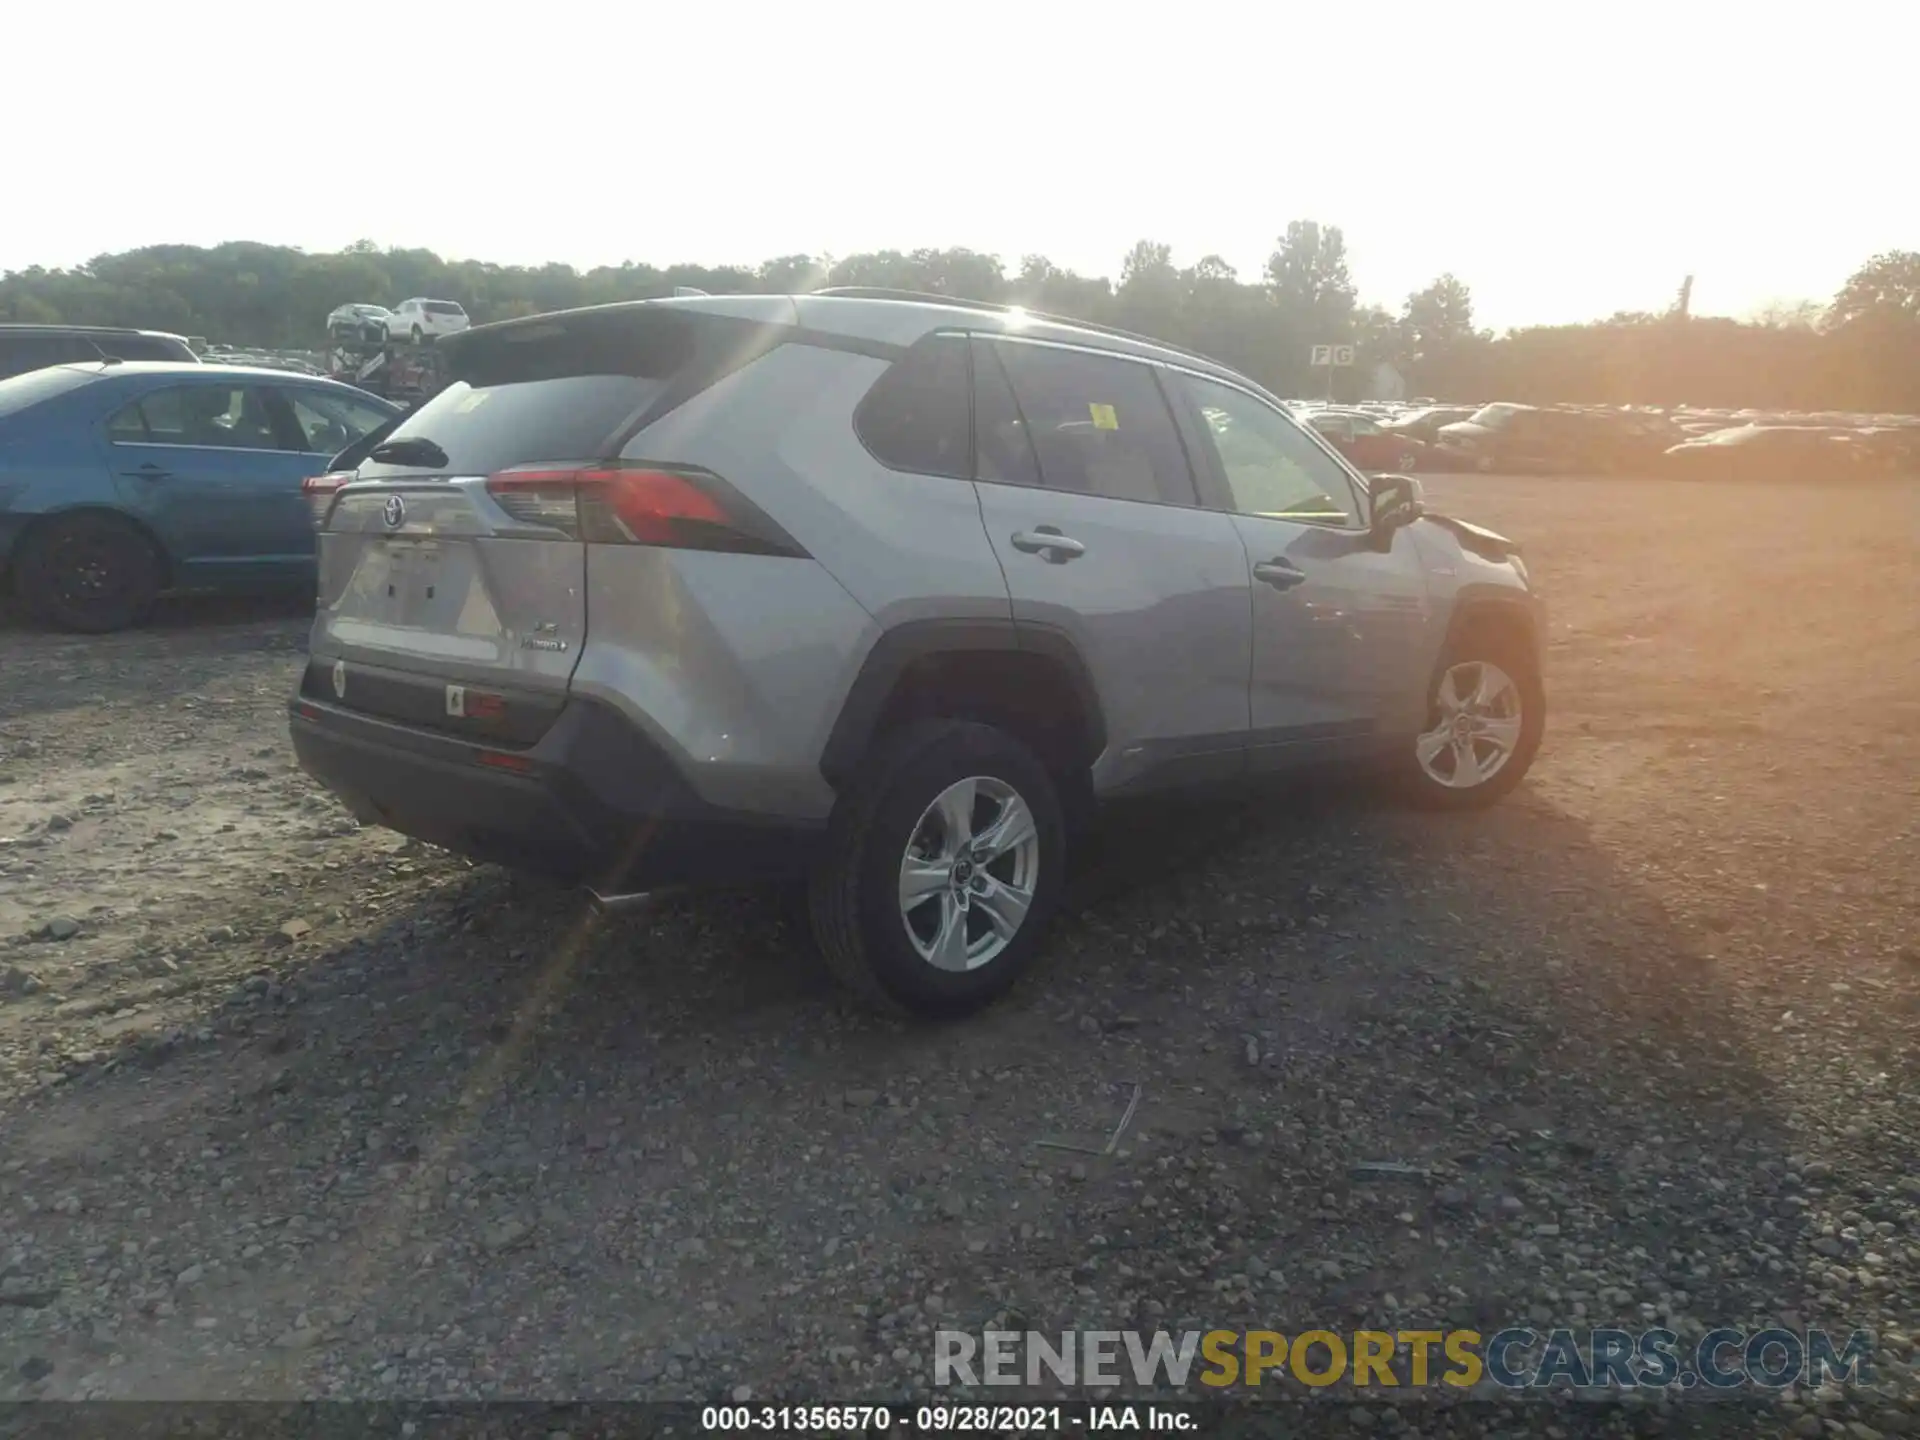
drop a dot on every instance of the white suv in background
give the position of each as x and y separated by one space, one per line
418 320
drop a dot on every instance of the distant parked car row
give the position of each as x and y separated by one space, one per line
1590 439
1495 437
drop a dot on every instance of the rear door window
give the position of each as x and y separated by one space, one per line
1099 424
917 416
222 417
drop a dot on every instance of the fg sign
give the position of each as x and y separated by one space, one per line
1336 355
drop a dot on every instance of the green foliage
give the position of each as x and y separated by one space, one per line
1864 355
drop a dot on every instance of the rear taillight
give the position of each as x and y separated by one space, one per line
638 503
320 491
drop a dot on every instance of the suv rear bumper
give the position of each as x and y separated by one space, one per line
594 802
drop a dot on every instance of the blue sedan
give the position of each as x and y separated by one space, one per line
119 481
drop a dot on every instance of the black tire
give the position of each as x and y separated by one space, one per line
91 573
1519 665
854 892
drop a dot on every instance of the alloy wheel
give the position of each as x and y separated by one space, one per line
1476 725
968 875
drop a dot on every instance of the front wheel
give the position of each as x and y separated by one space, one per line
91 573
944 862
1486 714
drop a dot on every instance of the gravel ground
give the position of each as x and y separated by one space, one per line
292 1108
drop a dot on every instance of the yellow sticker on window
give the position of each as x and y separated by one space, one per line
1104 417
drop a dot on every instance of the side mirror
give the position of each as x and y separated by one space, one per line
1398 501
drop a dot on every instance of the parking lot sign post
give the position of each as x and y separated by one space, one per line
1331 357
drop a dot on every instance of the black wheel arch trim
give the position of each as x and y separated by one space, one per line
912 641
1477 601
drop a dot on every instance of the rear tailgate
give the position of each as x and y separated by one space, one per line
452 567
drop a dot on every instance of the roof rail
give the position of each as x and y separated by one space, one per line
878 292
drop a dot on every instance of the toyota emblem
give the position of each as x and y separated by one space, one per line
396 512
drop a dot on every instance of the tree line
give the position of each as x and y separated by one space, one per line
1862 352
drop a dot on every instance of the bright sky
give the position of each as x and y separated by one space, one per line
1566 161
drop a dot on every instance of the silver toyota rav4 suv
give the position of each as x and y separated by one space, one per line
882 591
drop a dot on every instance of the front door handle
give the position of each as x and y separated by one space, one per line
1280 574
148 471
1049 543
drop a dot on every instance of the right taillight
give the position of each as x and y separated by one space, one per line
320 491
639 503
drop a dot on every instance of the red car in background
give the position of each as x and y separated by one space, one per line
1358 436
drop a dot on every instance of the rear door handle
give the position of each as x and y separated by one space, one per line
1045 541
148 471
1280 574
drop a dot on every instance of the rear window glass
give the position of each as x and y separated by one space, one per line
443 307
917 416
556 389
490 427
21 391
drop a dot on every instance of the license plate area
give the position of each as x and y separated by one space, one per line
413 579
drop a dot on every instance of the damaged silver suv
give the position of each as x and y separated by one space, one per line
883 591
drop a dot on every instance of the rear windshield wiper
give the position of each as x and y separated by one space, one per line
414 450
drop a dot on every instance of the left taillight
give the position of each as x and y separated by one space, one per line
640 503
320 491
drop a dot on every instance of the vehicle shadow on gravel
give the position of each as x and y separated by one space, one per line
645 1155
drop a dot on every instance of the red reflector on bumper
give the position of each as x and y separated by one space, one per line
307 712
506 762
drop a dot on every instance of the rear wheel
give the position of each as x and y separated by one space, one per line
944 862
1409 460
1486 713
90 573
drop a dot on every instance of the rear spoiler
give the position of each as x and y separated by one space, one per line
355 454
